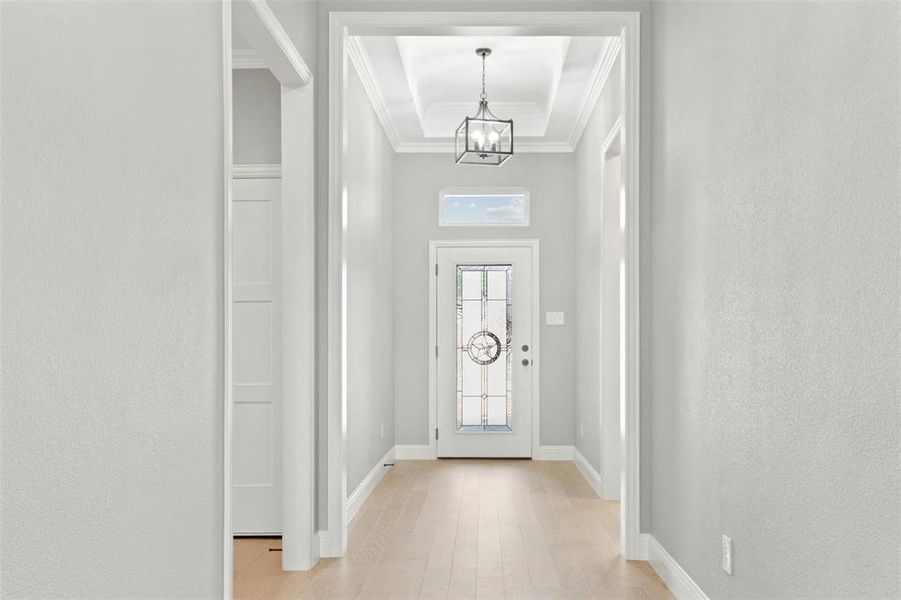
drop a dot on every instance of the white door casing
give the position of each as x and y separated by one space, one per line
612 271
481 281
625 24
256 347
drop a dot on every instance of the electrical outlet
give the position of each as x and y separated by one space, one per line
727 554
382 430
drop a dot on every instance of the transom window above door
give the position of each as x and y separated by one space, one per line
474 207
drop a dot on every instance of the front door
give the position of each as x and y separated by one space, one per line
484 367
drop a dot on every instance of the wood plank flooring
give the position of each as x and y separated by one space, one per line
466 529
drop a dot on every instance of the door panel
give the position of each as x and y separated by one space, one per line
256 365
484 320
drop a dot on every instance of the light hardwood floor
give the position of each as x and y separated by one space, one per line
466 529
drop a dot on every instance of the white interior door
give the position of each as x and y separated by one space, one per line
256 365
484 322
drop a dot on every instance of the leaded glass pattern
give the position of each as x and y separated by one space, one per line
484 348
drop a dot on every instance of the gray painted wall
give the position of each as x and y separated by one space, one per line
588 246
549 178
370 286
257 109
776 189
111 311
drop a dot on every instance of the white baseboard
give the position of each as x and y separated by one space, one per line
414 452
594 480
673 575
426 452
588 471
372 479
328 545
554 453
644 540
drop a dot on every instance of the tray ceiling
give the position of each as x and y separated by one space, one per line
422 86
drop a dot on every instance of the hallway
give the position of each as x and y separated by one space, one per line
466 529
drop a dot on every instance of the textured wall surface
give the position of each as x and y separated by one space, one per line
370 286
419 177
776 191
588 246
257 107
111 279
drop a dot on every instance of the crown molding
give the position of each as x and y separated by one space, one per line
599 77
247 59
357 54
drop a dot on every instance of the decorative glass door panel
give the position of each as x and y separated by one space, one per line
484 356
484 348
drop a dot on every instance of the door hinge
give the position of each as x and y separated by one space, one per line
436 351
436 433
436 269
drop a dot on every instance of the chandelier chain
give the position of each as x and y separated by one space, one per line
483 95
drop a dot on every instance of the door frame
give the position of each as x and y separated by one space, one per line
342 25
614 136
434 245
276 52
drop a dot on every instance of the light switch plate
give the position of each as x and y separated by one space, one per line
554 318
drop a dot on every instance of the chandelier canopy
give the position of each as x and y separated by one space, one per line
484 139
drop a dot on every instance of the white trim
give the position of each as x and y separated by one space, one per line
610 487
483 191
673 575
247 59
527 23
553 453
630 422
261 171
414 452
281 37
588 471
325 542
533 245
227 414
601 23
643 541
360 59
335 537
598 80
615 132
372 479
300 551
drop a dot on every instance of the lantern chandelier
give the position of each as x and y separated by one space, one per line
483 139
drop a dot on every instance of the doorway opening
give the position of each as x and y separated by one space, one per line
348 68
268 249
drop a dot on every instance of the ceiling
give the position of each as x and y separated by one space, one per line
421 87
